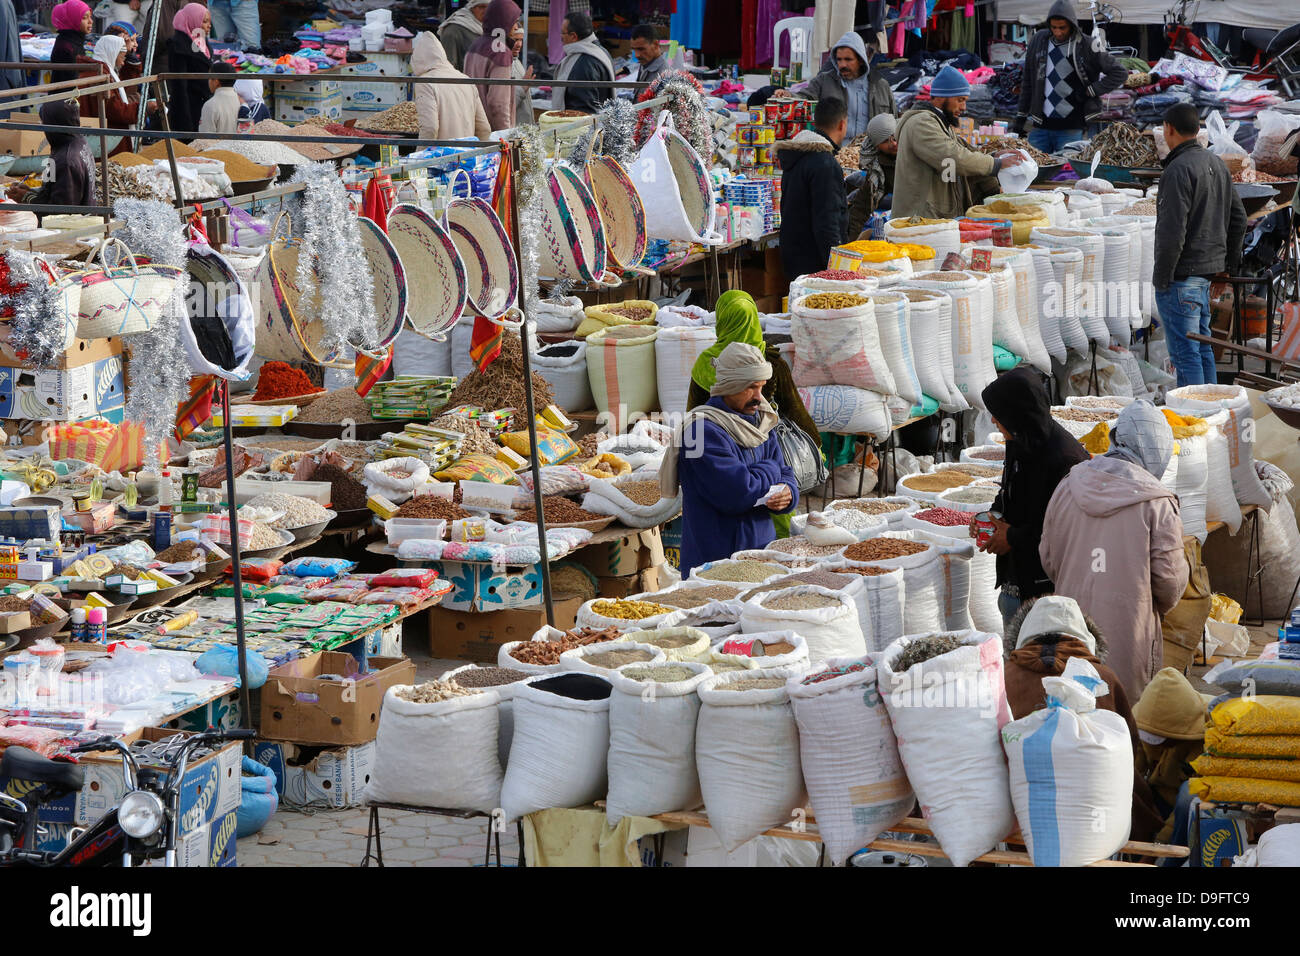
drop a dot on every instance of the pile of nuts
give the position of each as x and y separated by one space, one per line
435 691
883 549
643 491
543 653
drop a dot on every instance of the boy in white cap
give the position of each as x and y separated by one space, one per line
875 176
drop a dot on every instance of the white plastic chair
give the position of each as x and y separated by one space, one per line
801 43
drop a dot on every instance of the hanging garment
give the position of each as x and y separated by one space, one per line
687 25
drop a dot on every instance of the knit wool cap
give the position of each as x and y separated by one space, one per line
949 82
882 127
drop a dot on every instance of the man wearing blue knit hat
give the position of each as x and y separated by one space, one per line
932 166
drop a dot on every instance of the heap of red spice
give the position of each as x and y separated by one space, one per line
279 380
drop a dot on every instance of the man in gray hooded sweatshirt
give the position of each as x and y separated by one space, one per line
1065 75
1113 541
848 76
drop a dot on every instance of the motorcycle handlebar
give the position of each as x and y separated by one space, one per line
103 743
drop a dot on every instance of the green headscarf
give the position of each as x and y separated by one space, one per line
737 322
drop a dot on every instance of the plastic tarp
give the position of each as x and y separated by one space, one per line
1238 13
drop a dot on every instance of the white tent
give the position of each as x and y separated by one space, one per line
1239 13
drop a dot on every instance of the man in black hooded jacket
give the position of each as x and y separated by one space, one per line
814 204
1039 455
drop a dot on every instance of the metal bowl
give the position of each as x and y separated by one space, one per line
115 614
366 431
1254 196
271 554
1048 173
1288 416
309 531
37 501
351 518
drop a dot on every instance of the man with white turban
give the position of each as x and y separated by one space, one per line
728 464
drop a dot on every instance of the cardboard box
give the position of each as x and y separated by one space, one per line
628 555
78 352
621 587
297 706
317 777
18 621
62 394
468 636
21 143
210 846
479 588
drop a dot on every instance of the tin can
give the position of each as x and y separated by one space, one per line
771 112
985 525
765 154
750 648
162 530
800 111
796 71
1002 233
81 501
748 155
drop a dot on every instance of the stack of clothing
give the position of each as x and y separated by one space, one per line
1006 89
1150 110
1247 100
1116 105
1252 751
979 105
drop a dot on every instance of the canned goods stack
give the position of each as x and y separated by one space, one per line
756 150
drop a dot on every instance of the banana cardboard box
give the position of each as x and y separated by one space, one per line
63 394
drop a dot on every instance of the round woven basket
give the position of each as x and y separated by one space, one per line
434 272
120 300
491 271
573 242
622 214
389 280
692 181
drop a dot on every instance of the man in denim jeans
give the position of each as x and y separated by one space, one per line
1200 224
237 17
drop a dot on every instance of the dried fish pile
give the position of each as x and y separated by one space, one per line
1123 145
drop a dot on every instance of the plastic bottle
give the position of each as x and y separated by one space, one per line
77 628
166 493
132 493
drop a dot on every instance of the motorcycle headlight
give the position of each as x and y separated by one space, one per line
140 814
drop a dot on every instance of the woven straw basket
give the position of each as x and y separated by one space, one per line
573 242
622 215
434 272
491 271
123 299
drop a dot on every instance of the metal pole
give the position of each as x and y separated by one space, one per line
245 708
531 408
154 14
103 155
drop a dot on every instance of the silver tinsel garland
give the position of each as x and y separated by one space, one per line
160 367
530 190
38 328
617 124
331 259
686 106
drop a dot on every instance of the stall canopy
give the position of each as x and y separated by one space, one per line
1238 13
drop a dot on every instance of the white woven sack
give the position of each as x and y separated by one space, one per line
984 613
845 410
1006 316
652 745
747 754
838 347
1061 298
1053 202
807 283
892 519
849 756
1049 321
1239 430
955 556
566 373
1128 364
1140 259
1081 204
558 755
415 354
621 370
437 755
947 713
1120 295
943 237
923 609
893 321
972 329
561 314
930 322
728 611
796 659
1071 771
543 633
1220 502
718 574
829 632
676 349
884 596
586 617
669 640
1021 263
1087 298
1191 483
461 333
575 659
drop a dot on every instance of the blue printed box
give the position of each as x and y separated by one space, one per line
63 395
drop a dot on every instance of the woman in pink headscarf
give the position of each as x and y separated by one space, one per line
187 52
74 21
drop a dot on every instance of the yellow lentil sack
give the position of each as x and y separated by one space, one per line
1023 217
477 468
1210 765
1245 790
1265 714
631 312
1258 746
